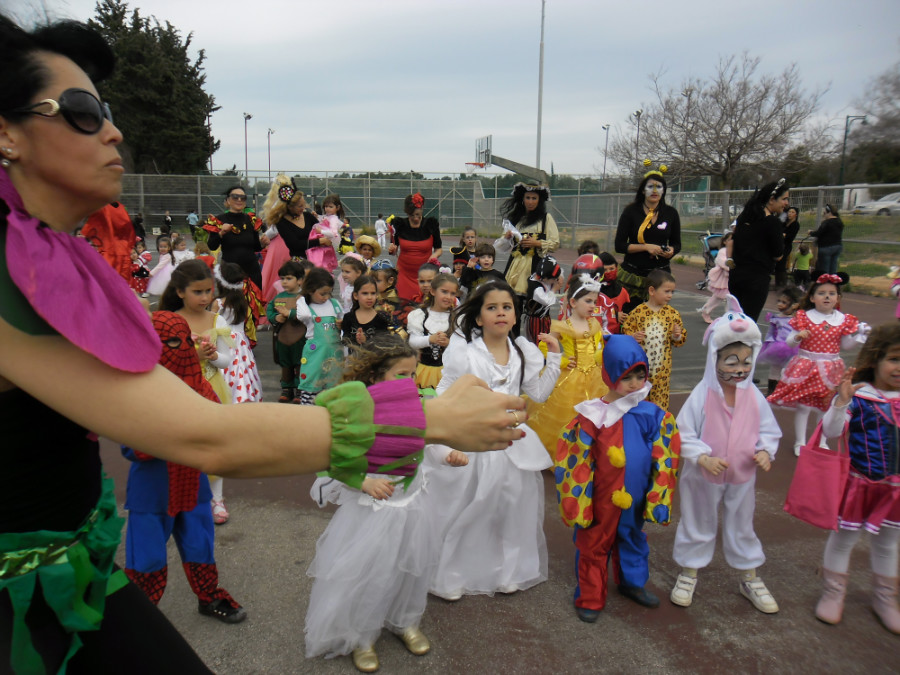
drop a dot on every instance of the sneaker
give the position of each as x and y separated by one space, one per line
222 610
587 615
220 513
757 593
287 395
640 595
683 593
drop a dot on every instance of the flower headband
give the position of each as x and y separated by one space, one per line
777 187
217 272
286 192
829 279
588 285
418 201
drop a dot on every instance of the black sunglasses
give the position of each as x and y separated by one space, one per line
80 108
237 197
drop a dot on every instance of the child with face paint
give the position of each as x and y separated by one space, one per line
728 431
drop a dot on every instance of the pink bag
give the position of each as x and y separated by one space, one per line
817 487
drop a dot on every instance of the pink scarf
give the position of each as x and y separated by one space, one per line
75 290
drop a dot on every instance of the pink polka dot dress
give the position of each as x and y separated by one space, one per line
811 377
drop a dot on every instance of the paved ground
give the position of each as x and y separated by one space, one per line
264 551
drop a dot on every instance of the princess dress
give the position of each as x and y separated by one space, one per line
160 275
372 566
221 336
811 377
581 383
491 511
277 255
242 375
776 352
324 256
421 324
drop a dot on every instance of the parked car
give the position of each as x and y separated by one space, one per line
889 205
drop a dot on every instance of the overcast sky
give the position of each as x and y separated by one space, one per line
367 85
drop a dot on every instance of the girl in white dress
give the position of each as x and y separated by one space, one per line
492 511
374 561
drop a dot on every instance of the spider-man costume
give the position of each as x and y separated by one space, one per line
165 499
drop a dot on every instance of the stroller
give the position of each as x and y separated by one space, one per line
710 243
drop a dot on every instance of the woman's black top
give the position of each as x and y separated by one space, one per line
240 245
666 232
428 228
758 244
790 233
296 237
829 232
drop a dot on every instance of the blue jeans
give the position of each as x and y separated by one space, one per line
827 261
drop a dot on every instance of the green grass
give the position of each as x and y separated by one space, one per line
865 269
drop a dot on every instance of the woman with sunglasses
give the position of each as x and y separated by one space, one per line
237 233
649 234
67 317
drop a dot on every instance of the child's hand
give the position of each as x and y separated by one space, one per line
676 331
639 336
280 318
457 458
715 465
360 336
846 388
763 460
207 350
551 342
471 264
378 488
440 339
803 335
392 249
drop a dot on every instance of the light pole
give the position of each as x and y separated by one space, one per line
847 123
209 133
605 128
247 116
537 162
269 143
637 139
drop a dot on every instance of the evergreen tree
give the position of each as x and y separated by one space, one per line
156 92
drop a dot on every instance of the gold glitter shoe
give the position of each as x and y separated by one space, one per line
365 659
415 641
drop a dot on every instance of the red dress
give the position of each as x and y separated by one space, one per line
811 377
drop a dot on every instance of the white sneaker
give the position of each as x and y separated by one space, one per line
757 593
683 593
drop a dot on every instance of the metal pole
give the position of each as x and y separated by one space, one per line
269 143
637 138
537 161
605 128
247 116
209 133
848 122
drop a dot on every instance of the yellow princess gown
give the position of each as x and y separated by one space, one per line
579 383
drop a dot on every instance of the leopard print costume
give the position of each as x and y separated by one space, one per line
658 343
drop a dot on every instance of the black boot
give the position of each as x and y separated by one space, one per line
771 384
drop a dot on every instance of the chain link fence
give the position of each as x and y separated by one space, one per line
581 212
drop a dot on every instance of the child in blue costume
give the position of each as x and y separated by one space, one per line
616 466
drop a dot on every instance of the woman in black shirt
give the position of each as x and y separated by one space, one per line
791 228
237 233
829 241
758 243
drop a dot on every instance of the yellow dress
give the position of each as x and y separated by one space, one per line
211 373
580 383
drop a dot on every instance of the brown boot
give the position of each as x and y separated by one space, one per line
884 602
831 604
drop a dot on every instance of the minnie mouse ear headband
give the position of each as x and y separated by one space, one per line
836 279
286 192
519 189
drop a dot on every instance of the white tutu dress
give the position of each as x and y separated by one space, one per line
490 513
372 566
242 375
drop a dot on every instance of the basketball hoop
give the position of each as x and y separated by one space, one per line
471 166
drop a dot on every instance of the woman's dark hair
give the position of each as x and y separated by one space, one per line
362 280
795 209
754 209
335 200
833 211
233 299
409 207
513 209
315 279
880 340
639 195
228 192
23 75
183 276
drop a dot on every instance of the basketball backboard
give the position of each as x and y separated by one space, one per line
483 150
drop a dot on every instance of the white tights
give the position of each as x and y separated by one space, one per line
215 484
883 550
801 417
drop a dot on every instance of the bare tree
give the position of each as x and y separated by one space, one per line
874 148
736 120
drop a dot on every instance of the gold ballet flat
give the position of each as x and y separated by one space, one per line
415 641
365 659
